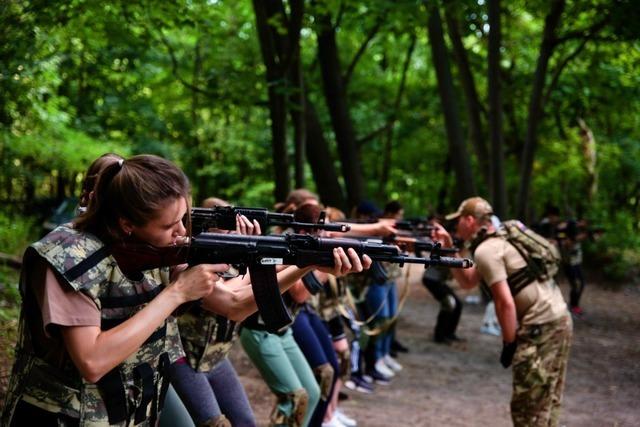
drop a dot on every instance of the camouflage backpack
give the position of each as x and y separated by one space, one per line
542 256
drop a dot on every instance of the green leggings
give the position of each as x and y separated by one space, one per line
282 366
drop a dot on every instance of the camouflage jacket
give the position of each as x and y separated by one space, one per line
131 393
334 294
206 338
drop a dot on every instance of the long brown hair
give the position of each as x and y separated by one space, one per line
91 177
136 189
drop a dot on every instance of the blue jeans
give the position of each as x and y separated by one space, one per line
315 342
382 299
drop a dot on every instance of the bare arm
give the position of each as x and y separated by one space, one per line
95 352
382 228
505 310
466 277
234 299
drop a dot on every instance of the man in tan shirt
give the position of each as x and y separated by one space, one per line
536 326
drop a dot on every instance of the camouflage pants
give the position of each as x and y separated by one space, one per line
539 368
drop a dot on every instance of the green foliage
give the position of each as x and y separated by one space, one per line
186 80
15 233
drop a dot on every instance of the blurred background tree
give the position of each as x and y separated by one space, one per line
405 99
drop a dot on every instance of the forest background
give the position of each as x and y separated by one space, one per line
527 103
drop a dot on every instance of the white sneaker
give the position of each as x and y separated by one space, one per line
392 363
382 367
491 329
333 422
344 419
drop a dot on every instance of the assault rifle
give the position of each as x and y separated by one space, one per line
406 227
419 245
417 226
260 255
224 218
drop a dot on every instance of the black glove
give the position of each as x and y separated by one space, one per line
508 350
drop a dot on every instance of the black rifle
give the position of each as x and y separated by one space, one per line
417 226
260 255
224 218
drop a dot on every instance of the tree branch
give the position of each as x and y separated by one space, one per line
561 67
176 73
375 133
361 50
583 33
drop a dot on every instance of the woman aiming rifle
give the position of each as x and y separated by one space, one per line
94 342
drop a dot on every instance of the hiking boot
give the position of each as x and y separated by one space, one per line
398 347
455 338
577 311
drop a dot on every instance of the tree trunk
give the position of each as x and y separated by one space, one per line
319 157
459 157
297 111
388 142
535 113
473 104
498 190
335 96
297 99
277 98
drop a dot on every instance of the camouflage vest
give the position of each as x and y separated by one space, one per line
335 294
130 394
206 338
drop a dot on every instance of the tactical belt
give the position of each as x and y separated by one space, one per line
253 322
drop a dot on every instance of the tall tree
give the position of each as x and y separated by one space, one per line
550 41
267 15
460 160
321 162
551 23
498 188
336 99
467 82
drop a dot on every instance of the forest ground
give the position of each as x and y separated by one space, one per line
464 385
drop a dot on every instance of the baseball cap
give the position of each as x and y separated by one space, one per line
369 208
475 206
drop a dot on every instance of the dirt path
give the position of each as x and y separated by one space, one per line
464 385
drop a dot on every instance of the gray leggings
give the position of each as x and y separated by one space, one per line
208 394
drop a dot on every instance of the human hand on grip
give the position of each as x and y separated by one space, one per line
346 262
508 351
198 281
